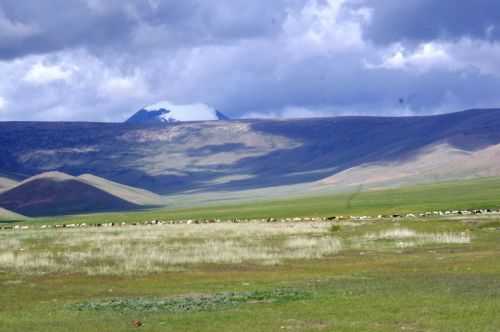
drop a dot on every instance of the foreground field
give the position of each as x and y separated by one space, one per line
432 275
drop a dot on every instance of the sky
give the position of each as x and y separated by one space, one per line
93 60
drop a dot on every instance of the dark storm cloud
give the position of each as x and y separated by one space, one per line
57 24
425 20
46 26
345 87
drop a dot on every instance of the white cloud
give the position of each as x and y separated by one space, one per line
133 86
457 55
479 54
292 112
302 112
321 28
312 61
425 57
260 115
40 74
154 4
3 103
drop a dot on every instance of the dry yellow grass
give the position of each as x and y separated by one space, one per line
148 249
407 238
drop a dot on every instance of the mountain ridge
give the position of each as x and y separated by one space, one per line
166 112
236 155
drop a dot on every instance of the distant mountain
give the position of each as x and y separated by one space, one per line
56 193
228 157
166 112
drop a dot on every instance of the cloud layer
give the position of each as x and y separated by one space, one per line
102 60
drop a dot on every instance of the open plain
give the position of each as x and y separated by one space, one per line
338 270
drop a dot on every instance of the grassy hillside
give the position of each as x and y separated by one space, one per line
480 193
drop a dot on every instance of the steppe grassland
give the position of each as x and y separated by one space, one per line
382 278
134 250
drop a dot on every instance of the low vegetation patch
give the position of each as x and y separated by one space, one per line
193 303
334 228
490 224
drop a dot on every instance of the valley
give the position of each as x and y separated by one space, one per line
356 224
240 160
249 166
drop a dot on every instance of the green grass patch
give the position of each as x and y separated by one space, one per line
193 303
334 228
490 224
436 287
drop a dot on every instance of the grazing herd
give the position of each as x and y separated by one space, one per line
268 220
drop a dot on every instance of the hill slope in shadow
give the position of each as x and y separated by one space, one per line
56 193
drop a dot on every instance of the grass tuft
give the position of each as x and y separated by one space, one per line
334 228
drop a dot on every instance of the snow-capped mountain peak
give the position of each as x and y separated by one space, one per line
167 112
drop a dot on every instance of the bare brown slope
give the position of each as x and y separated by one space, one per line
57 194
437 163
130 194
